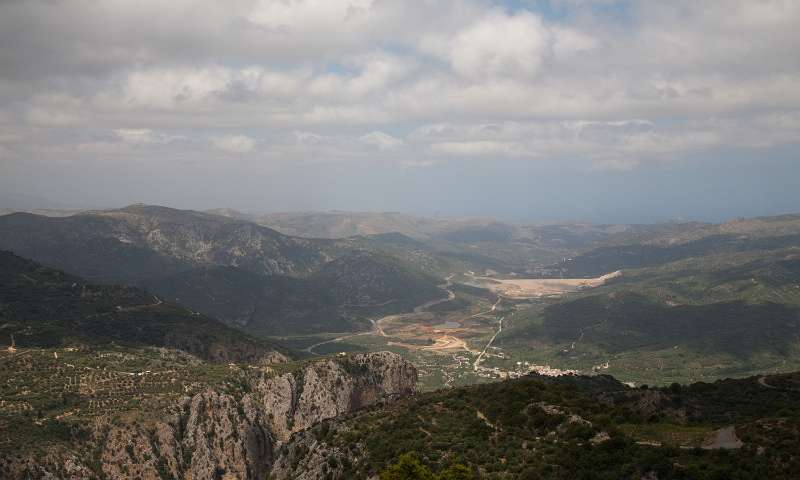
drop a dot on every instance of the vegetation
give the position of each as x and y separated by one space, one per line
50 395
339 298
581 427
607 259
714 316
42 307
409 467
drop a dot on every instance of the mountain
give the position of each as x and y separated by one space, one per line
480 244
647 246
625 322
46 212
139 241
45 308
732 313
562 428
247 275
602 260
338 224
259 304
338 298
366 279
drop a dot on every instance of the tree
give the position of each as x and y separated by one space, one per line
407 467
456 472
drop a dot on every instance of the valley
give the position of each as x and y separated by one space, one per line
399 240
448 344
192 323
465 301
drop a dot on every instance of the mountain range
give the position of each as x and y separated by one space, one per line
140 350
230 268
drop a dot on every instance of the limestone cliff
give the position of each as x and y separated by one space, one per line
330 388
217 434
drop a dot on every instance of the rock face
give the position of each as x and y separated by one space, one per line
306 458
332 387
217 435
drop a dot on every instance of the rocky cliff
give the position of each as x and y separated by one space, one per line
329 388
218 433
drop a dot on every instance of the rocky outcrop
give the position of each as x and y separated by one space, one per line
330 388
226 438
55 465
220 435
307 458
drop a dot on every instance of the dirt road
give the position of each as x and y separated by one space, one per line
377 325
477 363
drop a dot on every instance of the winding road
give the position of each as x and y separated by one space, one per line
377 328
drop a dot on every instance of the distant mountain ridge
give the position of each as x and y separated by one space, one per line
342 224
143 241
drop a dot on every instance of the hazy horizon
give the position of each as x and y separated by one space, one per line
24 203
607 111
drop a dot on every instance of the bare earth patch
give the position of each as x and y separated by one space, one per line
541 287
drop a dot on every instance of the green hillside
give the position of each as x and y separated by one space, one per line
42 307
339 298
572 428
724 314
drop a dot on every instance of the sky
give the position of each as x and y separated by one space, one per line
529 110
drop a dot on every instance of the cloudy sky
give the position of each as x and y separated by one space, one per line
529 110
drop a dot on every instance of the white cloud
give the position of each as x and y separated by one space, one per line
173 88
477 81
484 148
300 16
381 140
568 42
144 136
135 135
606 143
497 45
238 144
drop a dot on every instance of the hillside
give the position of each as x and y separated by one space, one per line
139 241
338 298
712 316
367 280
273 305
45 308
563 428
247 275
336 224
121 413
658 247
